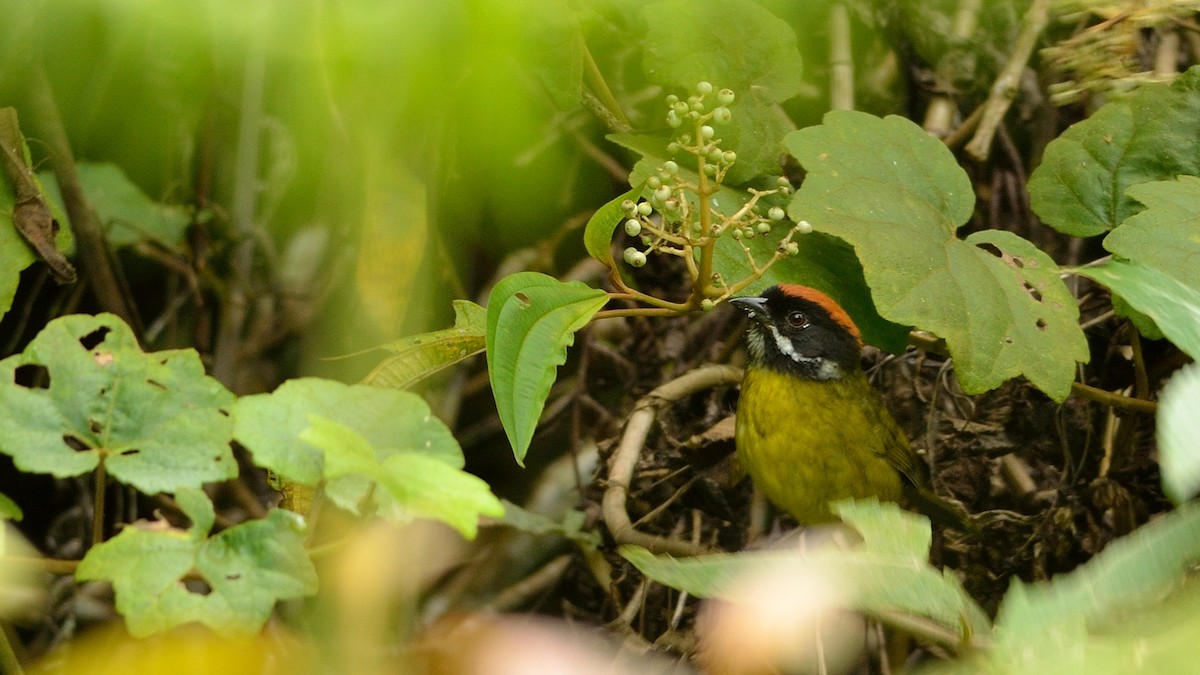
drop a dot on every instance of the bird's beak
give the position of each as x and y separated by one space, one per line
755 308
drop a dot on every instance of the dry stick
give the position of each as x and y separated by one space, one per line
841 59
1004 89
95 258
624 460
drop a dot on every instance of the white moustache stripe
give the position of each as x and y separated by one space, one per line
825 369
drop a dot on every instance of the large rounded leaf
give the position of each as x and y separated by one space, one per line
897 196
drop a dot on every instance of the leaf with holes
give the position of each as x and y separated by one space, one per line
84 392
164 577
897 196
532 319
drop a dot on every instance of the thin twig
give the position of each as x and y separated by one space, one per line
1004 89
96 260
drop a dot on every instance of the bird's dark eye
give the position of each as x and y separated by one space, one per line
797 319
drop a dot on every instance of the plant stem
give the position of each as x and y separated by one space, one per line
97 261
595 81
841 59
702 281
100 486
9 663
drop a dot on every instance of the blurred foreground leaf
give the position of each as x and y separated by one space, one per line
1178 433
889 571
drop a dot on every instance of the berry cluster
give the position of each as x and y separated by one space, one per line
678 215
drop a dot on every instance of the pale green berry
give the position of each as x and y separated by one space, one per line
722 115
707 304
673 119
736 233
748 232
633 228
793 248
763 228
672 99
634 257
670 168
644 209
704 87
671 206
707 132
804 227
782 181
714 154
710 169
672 147
654 182
681 108
628 207
729 157
775 213
662 192
725 96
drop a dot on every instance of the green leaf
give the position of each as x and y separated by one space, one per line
897 196
825 263
155 420
410 484
598 235
730 43
551 40
1178 432
244 570
393 421
128 215
889 571
1173 305
9 509
1166 235
1081 186
733 44
532 319
420 356
1135 571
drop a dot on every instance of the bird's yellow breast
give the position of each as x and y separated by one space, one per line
806 443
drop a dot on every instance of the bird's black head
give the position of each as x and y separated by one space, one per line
801 330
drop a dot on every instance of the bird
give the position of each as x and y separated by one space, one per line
810 429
